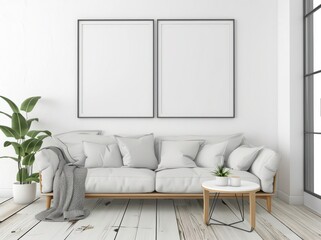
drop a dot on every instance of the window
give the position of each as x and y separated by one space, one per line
312 97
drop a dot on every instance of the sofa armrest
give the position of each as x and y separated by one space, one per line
265 167
47 163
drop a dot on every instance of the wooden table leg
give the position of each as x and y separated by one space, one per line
252 197
206 196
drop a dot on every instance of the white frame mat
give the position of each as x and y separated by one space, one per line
196 69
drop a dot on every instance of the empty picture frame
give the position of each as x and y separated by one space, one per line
115 68
196 68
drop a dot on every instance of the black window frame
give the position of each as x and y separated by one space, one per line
308 145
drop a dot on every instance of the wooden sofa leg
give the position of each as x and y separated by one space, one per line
269 203
48 201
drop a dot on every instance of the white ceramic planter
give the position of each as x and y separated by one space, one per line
24 193
221 181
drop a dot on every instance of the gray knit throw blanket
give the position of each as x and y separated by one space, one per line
68 192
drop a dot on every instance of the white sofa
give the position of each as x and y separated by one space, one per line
146 183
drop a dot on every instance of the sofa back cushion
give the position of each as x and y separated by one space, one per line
72 143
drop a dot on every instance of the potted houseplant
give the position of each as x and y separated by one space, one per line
221 174
26 143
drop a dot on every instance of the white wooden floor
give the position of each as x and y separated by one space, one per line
157 219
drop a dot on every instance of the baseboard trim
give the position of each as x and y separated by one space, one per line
313 203
294 200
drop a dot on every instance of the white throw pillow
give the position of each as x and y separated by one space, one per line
178 154
138 152
101 155
233 143
242 157
265 167
211 155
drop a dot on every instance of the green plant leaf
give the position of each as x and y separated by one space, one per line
33 178
19 124
12 105
31 145
42 137
29 104
29 121
28 145
5 114
35 133
9 132
34 175
221 171
13 158
17 147
28 160
22 175
37 146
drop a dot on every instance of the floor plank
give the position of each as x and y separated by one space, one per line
161 220
224 214
190 220
9 208
54 230
139 221
129 224
132 215
147 222
17 225
299 219
166 221
2 200
267 226
103 221
127 234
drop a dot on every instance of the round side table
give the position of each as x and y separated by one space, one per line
246 189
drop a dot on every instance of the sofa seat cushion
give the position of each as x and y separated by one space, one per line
189 180
120 180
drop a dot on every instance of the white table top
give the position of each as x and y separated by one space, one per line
246 186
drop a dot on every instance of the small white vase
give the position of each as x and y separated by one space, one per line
221 181
24 193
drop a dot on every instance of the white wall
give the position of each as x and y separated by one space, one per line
39 57
290 100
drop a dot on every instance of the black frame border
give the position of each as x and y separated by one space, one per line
78 66
157 50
